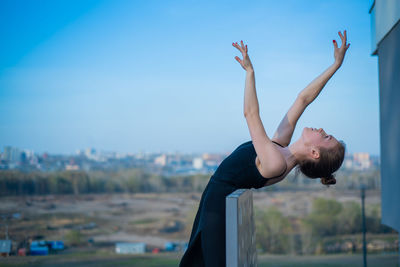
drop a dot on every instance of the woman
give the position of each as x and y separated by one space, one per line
263 161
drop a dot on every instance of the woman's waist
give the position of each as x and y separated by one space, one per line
248 180
229 181
222 181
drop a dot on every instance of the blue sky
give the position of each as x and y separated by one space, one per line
160 76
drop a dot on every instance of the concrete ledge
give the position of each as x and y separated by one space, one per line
240 229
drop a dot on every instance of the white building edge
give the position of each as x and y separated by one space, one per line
385 32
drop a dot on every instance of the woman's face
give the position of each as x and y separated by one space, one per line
318 137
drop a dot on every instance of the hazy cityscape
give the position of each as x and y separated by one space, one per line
167 164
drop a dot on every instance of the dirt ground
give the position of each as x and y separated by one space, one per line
151 218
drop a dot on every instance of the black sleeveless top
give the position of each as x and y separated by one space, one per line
239 168
207 241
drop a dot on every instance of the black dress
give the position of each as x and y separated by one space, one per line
207 241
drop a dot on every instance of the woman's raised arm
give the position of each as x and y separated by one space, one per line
284 133
271 160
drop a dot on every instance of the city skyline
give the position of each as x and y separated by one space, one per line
168 163
125 76
109 153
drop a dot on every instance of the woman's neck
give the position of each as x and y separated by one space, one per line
295 153
290 158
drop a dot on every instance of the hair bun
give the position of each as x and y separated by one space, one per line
328 180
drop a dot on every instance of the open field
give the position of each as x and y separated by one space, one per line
151 218
105 259
104 219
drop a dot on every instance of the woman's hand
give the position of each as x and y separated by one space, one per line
340 51
245 62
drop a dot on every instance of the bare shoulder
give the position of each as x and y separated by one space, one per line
274 167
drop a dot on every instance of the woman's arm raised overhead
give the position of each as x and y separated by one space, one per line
272 161
285 130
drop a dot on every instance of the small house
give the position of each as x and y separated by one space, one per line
130 248
5 247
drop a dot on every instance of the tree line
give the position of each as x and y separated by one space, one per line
330 227
16 183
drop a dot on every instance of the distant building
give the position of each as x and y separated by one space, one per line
29 153
5 247
12 154
72 167
94 155
211 157
90 152
212 160
130 248
161 160
362 161
198 163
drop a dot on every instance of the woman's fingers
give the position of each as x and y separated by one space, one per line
242 48
344 38
238 47
341 36
335 44
239 60
245 62
234 45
